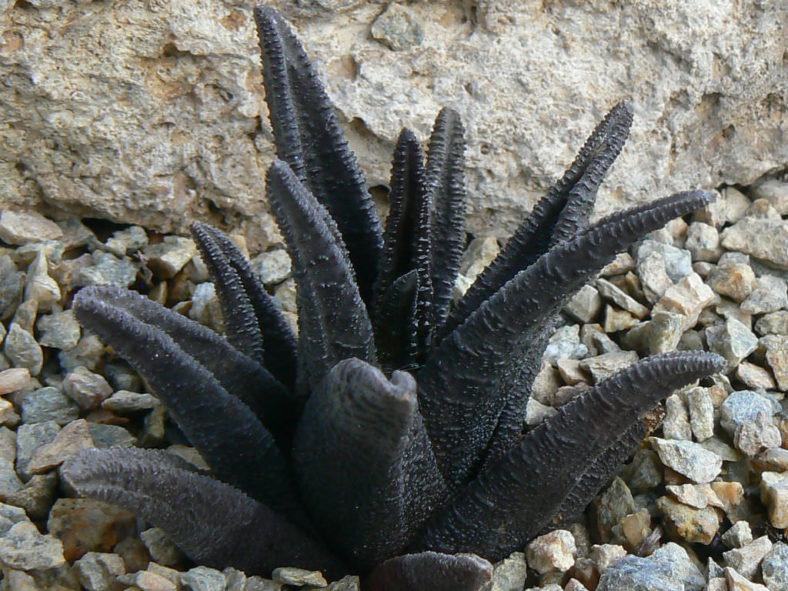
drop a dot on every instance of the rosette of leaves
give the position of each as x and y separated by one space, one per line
387 438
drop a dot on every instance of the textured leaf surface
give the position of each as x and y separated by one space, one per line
430 570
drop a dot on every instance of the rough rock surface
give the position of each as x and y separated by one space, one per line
141 111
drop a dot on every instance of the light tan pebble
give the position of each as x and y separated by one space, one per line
605 555
717 584
755 435
69 440
617 320
149 581
737 582
701 412
298 576
636 527
747 558
688 523
774 459
754 376
731 494
738 535
14 379
774 494
574 585
698 496
688 297
554 551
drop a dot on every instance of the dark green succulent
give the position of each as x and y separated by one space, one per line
388 438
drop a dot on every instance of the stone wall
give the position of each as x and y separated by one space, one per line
150 112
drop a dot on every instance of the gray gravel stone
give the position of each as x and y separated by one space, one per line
777 358
742 406
298 576
9 481
585 305
664 332
203 578
676 424
688 458
272 267
29 437
12 283
107 269
48 404
747 558
22 349
765 239
701 412
738 535
732 339
127 241
703 242
510 573
755 435
23 547
122 377
21 228
161 548
86 388
770 295
565 344
59 330
97 571
680 564
167 258
88 352
603 366
124 402
622 299
687 297
678 262
14 379
653 276
633 573
775 568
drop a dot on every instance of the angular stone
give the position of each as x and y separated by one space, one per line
636 527
688 297
86 388
611 292
22 349
21 228
72 438
774 494
97 571
755 435
742 406
14 379
733 340
298 576
274 266
738 535
167 258
610 507
775 567
551 552
747 558
124 402
676 424
203 578
127 241
59 330
777 357
703 242
605 365
732 279
510 573
23 547
754 376
48 404
678 262
770 295
664 332
604 555
698 496
765 239
736 582
701 412
688 458
690 524
161 548
107 269
39 286
585 305
29 438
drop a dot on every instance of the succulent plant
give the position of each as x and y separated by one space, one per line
387 439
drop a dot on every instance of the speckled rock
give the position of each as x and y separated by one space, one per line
754 435
738 535
69 440
39 286
510 573
737 582
97 571
398 28
48 404
29 438
678 262
703 242
747 558
620 298
85 525
167 258
775 567
770 295
744 405
689 523
774 494
676 424
554 551
777 358
203 578
272 267
701 412
765 239
733 340
161 548
688 458
23 547
754 376
688 297
86 388
22 349
14 379
585 305
59 330
610 507
107 269
298 576
127 241
23 227
124 402
605 365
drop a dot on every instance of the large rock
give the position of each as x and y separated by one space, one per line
149 112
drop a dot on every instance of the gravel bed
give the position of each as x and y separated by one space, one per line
703 503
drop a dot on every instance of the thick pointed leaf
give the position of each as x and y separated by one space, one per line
512 502
309 139
466 382
557 217
240 321
406 241
228 267
365 467
430 570
212 522
446 184
224 430
239 375
332 318
396 337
